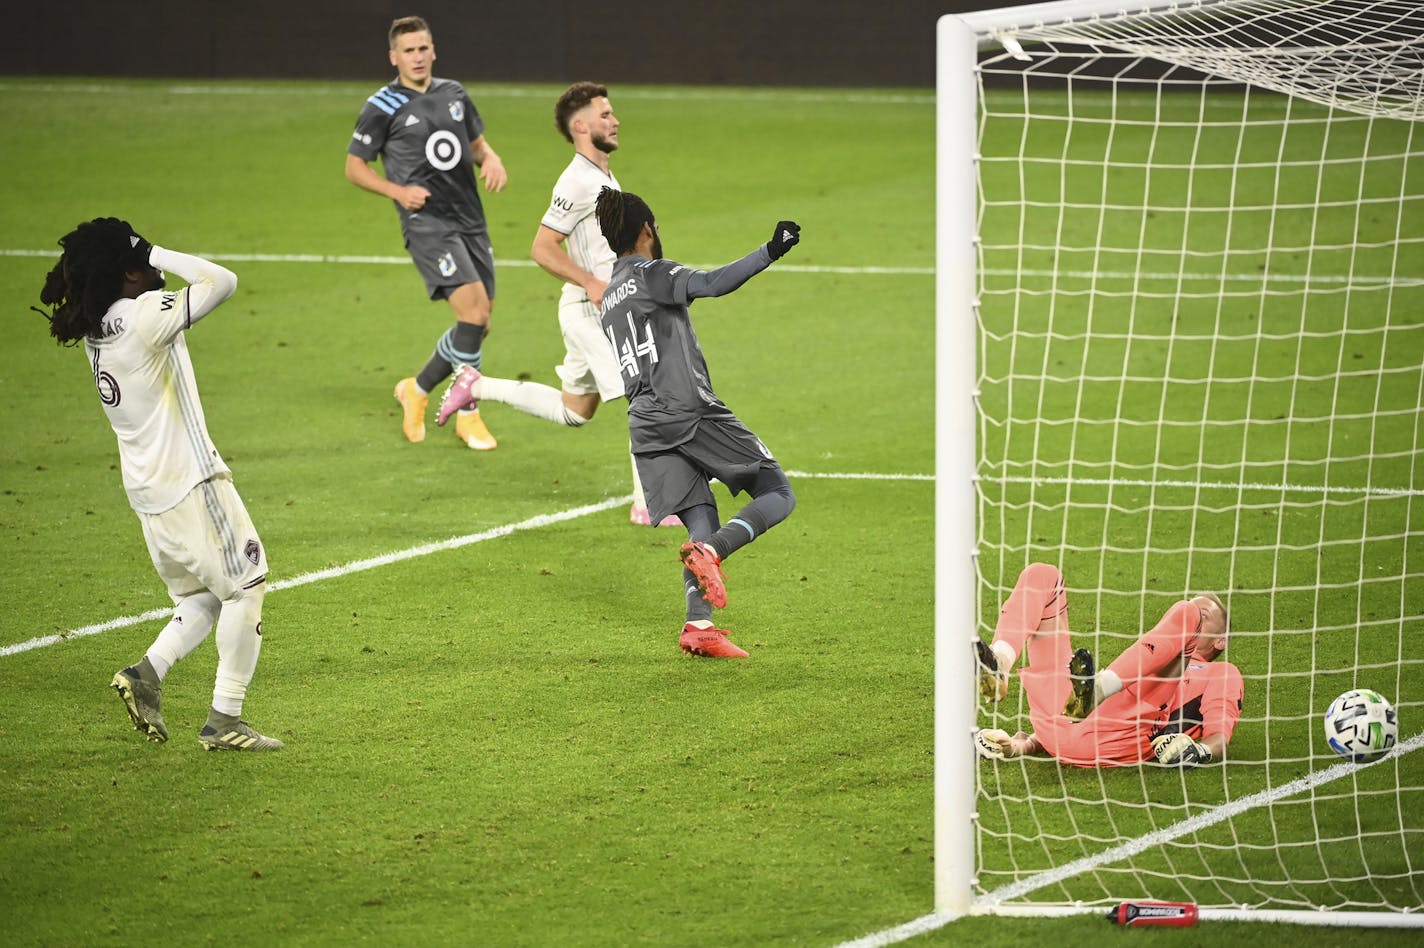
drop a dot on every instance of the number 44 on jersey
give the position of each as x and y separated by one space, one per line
632 347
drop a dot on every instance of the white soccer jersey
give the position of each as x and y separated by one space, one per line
571 212
145 381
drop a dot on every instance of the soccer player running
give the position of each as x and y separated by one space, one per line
108 291
682 435
1165 697
430 138
570 246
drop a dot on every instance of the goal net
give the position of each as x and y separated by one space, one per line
1181 310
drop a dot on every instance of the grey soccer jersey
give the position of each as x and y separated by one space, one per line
664 374
424 138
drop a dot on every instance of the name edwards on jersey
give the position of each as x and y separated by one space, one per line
612 297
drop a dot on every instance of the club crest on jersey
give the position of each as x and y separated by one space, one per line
446 263
253 552
457 111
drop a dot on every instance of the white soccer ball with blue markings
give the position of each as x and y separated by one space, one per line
1361 725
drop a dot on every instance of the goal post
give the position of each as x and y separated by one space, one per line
1180 349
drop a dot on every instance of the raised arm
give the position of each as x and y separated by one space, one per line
209 284
723 280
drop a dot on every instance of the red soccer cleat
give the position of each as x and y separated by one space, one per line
710 642
706 565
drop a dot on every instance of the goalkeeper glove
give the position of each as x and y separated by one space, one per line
1179 750
990 743
786 236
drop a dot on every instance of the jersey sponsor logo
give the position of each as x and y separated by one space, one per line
446 264
166 303
561 204
412 119
457 111
443 150
363 139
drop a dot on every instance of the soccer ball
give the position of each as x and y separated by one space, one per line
1361 725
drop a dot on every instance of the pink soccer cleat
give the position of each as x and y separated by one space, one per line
457 397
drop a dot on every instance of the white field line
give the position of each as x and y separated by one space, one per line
1017 890
385 559
499 261
1323 489
356 91
544 520
336 572
353 89
386 260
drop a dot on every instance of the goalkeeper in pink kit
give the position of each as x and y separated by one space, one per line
1165 698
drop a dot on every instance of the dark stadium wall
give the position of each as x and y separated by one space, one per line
731 42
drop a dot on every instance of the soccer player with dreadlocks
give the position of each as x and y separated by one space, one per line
107 291
682 434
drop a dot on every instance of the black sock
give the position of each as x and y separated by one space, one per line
460 345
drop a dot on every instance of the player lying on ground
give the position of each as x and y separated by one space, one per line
1164 698
107 290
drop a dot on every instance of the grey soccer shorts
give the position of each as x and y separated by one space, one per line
450 259
722 448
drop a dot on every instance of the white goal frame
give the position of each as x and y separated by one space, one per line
957 606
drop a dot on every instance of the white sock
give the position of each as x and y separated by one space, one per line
192 620
239 640
532 398
1106 685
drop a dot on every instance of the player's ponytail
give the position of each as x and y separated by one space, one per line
621 216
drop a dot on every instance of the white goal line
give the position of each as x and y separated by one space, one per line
993 902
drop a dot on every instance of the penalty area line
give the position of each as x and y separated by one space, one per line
336 572
385 559
986 904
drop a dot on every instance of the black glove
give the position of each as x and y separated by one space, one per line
139 249
786 236
1179 750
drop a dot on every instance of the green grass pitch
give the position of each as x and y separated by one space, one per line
498 744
